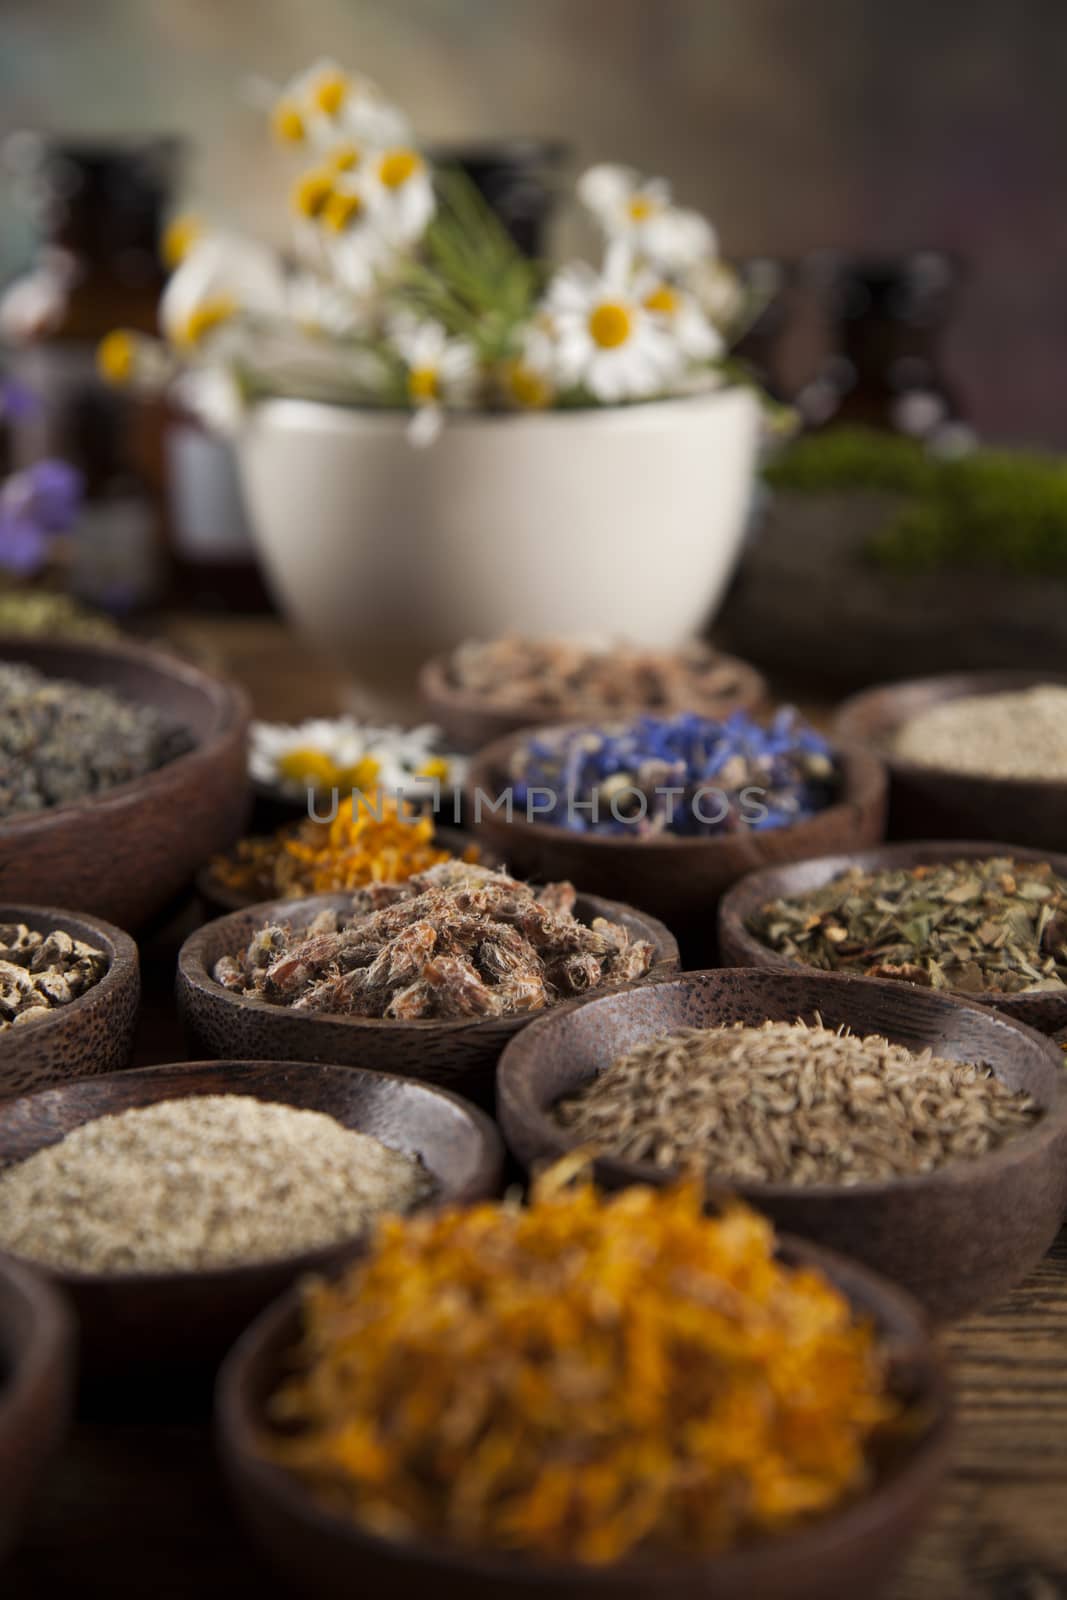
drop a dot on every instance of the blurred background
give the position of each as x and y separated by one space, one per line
891 175
846 124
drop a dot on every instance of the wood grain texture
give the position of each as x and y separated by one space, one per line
1046 1010
94 1033
849 1552
957 1237
126 853
456 1053
927 803
677 878
137 1325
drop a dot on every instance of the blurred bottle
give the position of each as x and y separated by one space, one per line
884 369
98 210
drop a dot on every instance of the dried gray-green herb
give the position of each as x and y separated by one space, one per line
984 926
793 1103
61 741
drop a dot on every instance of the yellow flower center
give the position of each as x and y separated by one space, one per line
207 316
435 767
311 192
528 388
329 93
397 166
179 237
311 767
610 324
423 385
664 300
640 207
342 209
346 158
115 356
362 775
288 123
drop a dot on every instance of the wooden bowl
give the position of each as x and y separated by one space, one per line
219 899
469 722
131 1322
848 1553
93 1033
1045 1010
956 1238
678 879
459 1054
36 1388
127 853
930 803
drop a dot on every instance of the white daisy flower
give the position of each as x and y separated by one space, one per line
327 753
698 339
606 340
639 212
529 381
321 307
441 371
326 106
402 193
221 275
357 247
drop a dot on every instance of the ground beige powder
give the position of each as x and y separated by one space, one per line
207 1181
1020 735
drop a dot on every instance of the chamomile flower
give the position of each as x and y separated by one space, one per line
639 212
326 106
697 337
441 371
179 237
529 380
341 753
607 341
220 277
355 245
127 359
320 307
403 195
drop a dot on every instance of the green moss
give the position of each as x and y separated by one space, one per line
997 510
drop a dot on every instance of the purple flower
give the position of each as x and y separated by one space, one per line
16 401
36 505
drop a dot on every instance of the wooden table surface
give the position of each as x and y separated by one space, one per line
135 1509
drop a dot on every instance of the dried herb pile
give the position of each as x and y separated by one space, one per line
202 1182
40 972
789 1103
586 679
587 1378
381 842
61 742
456 941
977 926
1015 735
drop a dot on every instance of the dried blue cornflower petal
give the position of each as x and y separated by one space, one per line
732 775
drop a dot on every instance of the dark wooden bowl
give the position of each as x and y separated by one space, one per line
219 899
848 1553
678 879
469 723
36 1389
126 854
956 1238
93 1033
131 1322
929 803
1046 1011
459 1054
